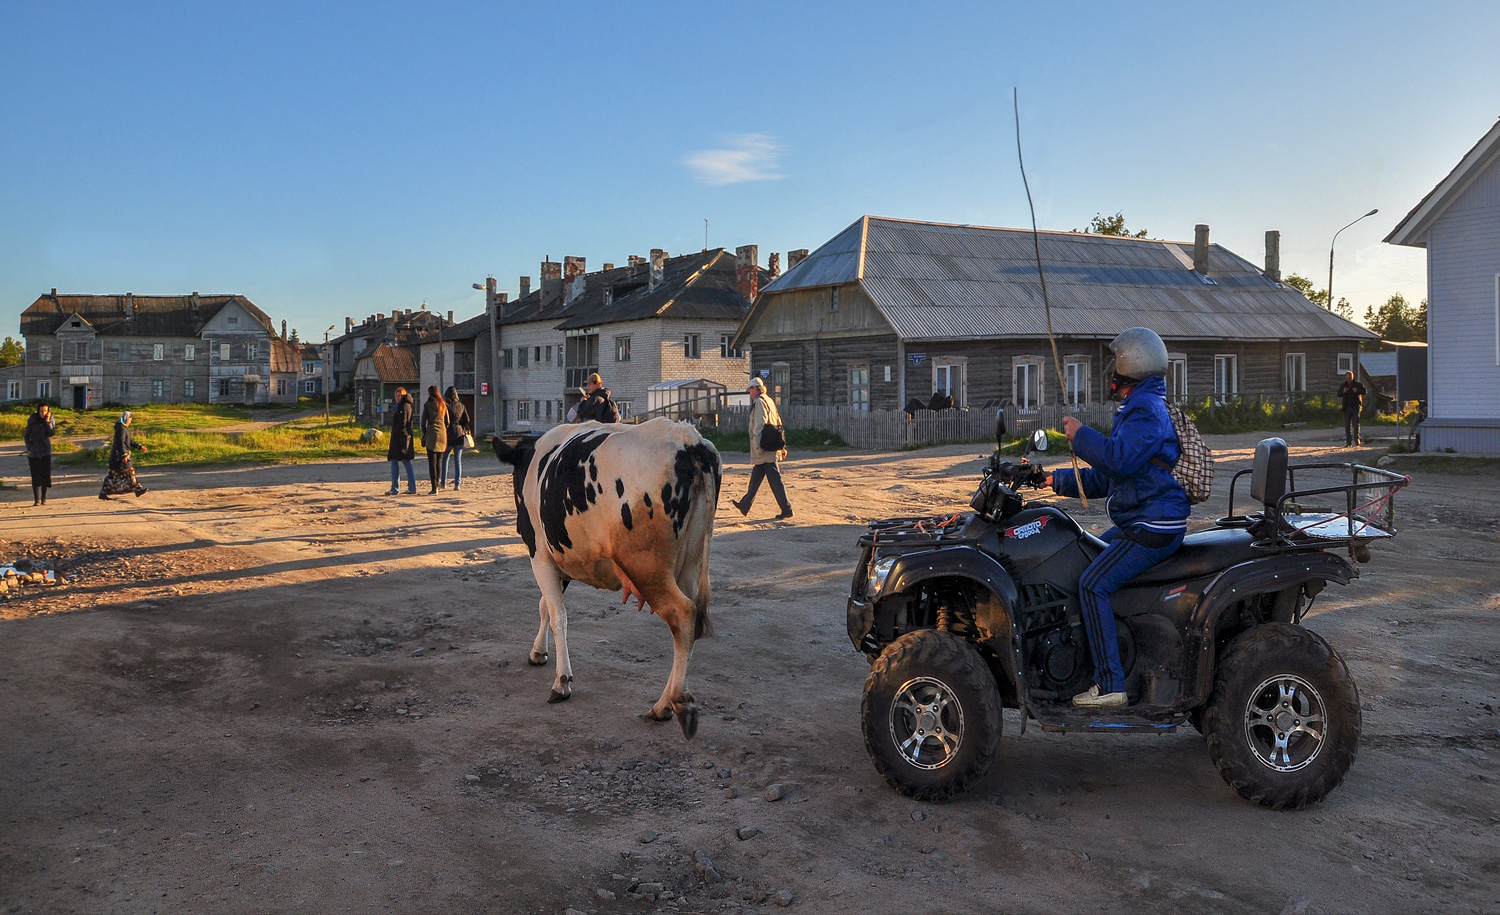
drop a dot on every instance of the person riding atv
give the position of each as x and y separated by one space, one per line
1132 467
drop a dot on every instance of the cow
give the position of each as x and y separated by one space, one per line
623 508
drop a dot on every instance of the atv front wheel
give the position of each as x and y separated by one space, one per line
1283 723
931 715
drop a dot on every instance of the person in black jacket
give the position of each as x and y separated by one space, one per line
598 405
1353 395
39 430
459 425
121 477
403 446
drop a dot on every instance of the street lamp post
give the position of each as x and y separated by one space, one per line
327 358
492 308
1330 257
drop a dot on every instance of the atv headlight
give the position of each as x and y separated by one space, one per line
880 570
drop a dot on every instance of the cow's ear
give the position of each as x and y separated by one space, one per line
503 451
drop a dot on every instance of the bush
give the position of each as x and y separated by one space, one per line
1250 415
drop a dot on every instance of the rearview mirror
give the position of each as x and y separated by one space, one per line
1038 441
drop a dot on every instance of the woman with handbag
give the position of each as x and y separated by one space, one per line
460 436
767 449
434 433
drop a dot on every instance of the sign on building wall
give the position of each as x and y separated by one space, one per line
917 358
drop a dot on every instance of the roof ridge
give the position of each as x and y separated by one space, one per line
967 225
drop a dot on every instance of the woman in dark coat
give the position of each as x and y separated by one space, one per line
434 433
403 447
39 430
459 425
121 477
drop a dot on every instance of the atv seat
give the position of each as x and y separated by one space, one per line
1203 553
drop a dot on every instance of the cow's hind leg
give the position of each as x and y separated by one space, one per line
550 580
679 613
538 655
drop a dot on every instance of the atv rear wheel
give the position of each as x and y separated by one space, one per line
1283 723
931 715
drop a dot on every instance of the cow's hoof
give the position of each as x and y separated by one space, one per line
688 718
659 715
558 697
537 660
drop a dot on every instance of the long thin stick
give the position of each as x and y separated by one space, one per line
1036 245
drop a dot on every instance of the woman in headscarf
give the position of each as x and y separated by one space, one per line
459 425
434 433
121 477
39 429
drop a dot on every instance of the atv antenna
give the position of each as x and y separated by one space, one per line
1036 245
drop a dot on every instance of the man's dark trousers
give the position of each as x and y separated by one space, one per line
1351 426
1121 561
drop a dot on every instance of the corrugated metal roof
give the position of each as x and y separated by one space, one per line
141 316
393 363
937 281
1378 364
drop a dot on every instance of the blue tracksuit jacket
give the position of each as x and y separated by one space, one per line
1140 493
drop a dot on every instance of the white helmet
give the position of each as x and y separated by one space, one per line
1139 354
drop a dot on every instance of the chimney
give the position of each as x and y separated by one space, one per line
503 297
54 292
348 325
573 278
634 260
551 283
450 317
658 266
283 328
609 266
774 267
793 258
525 287
1200 248
746 271
129 304
1273 256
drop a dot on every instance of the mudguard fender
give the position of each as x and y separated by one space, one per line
993 617
1276 572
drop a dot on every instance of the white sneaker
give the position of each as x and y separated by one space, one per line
1093 699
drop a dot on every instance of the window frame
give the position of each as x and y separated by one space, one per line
859 394
726 351
122 387
1079 391
14 389
189 387
44 389
81 351
1177 377
158 390
225 389
158 352
692 346
1033 370
622 348
189 352
1224 392
1344 363
1294 373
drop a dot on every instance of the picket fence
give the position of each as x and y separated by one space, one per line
889 430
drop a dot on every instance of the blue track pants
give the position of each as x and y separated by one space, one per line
1121 561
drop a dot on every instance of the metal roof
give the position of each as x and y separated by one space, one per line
1378 364
137 316
935 281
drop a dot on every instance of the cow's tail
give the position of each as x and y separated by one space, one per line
697 531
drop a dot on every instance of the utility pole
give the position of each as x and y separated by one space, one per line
327 384
492 308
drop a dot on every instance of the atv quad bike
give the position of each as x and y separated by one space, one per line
964 615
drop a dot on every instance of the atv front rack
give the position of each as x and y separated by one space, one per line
935 529
1320 516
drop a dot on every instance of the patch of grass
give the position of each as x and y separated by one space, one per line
1057 443
279 445
147 418
796 440
1259 416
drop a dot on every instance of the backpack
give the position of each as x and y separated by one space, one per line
1195 467
609 413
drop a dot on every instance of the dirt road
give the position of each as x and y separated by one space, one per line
276 689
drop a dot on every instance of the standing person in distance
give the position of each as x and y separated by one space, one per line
40 427
1353 395
598 405
121 477
765 464
1149 508
459 426
403 447
434 433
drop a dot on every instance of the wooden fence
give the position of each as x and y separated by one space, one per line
888 430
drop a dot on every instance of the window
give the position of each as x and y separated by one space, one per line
1226 377
234 319
13 390
508 359
859 386
189 388
1027 378
281 387
307 387
223 387
523 410
1076 374
158 351
536 355
44 390
549 411
1345 363
1296 373
44 352
1176 376
622 349
781 383
625 409
521 357
549 355
728 351
223 352
948 378
691 346
81 352
189 352
887 373
252 350
833 299
127 352
437 361
158 389
122 388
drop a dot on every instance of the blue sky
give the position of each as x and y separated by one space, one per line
342 159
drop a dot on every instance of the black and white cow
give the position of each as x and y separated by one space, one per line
620 507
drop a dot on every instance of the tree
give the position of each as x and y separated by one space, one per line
1111 225
1319 297
11 353
1398 320
293 337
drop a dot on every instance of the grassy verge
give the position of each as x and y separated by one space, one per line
1057 443
146 419
1454 466
796 440
280 445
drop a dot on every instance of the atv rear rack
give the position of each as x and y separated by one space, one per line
1296 519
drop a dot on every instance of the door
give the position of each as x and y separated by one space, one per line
80 397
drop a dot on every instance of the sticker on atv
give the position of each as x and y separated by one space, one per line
1027 530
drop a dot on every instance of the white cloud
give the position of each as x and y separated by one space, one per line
748 157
